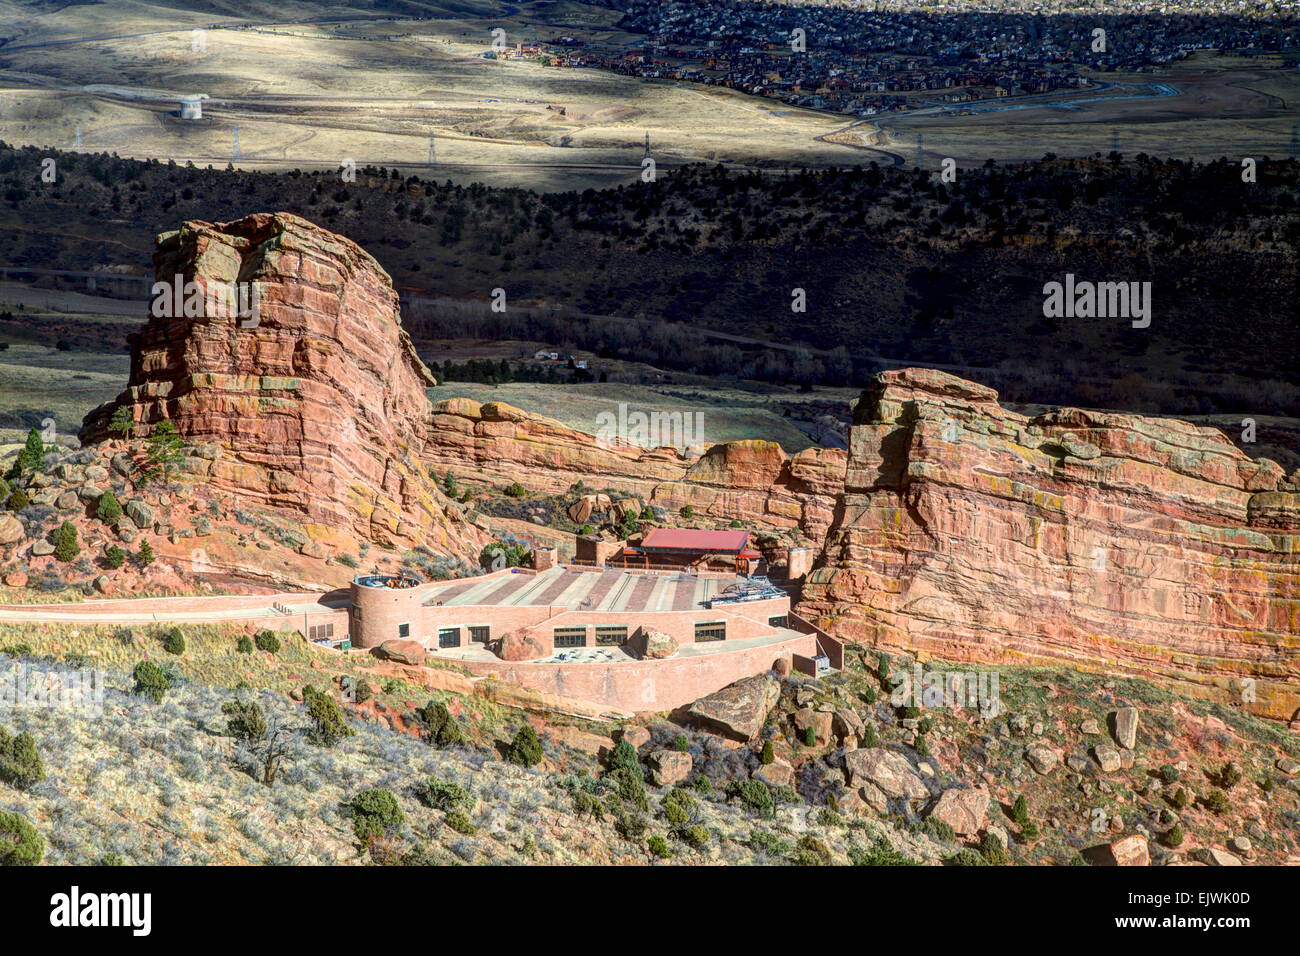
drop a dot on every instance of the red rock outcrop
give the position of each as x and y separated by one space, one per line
318 406
500 441
1111 542
757 483
751 481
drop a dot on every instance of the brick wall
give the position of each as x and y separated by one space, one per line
646 685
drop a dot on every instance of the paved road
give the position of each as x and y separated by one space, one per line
177 610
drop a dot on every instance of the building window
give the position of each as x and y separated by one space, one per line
778 620
449 637
570 637
710 631
611 634
320 632
403 630
480 633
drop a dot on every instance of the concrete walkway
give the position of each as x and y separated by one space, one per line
178 610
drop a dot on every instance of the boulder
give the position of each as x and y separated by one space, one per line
521 645
847 723
997 832
888 771
402 651
819 720
11 530
41 547
740 709
649 644
1212 856
139 512
67 501
1042 758
1126 727
580 510
668 767
778 773
90 494
781 666
122 464
874 797
1107 758
16 579
1130 851
638 737
963 810
851 804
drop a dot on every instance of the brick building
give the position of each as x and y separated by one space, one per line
581 628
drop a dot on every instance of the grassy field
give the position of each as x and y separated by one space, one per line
38 383
310 96
1219 106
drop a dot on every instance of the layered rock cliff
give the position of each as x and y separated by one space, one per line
509 444
316 401
755 482
1109 542
751 481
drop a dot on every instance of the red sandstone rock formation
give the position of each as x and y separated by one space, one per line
509 444
757 483
1110 542
750 481
319 407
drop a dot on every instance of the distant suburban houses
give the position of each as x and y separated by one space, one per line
861 61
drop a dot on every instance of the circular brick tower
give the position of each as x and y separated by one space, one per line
385 607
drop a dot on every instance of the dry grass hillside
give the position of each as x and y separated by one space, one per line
170 782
